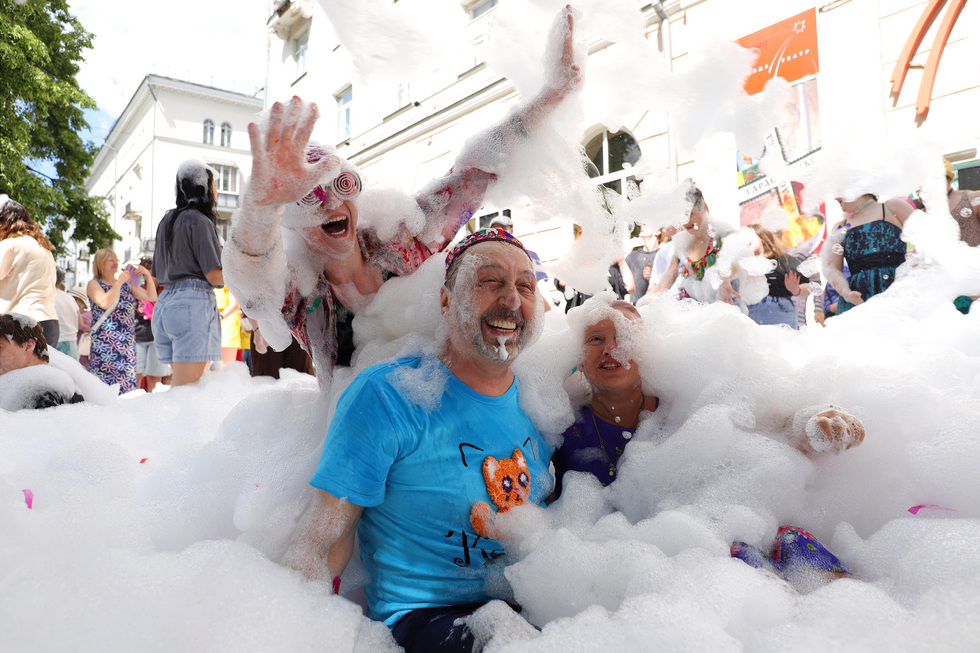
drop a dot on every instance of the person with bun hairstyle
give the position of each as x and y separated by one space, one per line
187 263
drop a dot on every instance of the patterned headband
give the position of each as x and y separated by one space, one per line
481 236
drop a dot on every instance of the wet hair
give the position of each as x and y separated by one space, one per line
21 330
16 221
695 197
626 308
772 247
192 194
99 260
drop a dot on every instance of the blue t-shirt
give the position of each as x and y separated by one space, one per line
418 473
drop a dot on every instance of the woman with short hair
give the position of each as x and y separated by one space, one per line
113 294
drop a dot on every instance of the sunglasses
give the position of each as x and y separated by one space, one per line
346 186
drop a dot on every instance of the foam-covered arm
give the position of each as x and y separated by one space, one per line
324 539
668 278
255 269
832 259
450 202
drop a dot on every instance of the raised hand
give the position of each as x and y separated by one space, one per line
280 172
792 281
563 74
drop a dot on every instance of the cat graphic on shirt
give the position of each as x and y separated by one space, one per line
508 484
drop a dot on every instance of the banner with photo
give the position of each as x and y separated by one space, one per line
787 49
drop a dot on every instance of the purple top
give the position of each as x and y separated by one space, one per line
584 451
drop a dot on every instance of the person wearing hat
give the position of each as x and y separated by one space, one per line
416 482
964 206
306 252
26 378
504 222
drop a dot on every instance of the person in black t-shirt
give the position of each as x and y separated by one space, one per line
785 282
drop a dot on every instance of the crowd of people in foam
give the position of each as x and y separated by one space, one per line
427 483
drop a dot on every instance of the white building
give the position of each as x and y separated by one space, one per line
406 131
166 122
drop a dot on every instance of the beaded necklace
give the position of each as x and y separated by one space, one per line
847 224
697 268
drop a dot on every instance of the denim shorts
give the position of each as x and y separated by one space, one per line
186 325
774 310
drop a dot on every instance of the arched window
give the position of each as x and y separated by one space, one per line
225 135
613 155
208 132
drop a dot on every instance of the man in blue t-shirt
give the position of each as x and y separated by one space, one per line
423 454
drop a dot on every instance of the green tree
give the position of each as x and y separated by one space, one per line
41 119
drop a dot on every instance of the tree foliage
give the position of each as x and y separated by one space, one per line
41 119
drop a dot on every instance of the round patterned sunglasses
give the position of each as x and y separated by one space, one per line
345 186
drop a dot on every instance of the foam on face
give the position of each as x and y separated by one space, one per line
181 504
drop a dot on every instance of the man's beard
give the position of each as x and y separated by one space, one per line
527 333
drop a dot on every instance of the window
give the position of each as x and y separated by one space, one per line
404 94
300 46
481 22
481 8
226 184
225 135
613 156
208 132
344 100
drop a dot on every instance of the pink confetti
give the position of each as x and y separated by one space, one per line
29 499
915 509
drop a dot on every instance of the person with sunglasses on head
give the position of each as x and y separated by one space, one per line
300 258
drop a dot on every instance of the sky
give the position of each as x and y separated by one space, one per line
220 43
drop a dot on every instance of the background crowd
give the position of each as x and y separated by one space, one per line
138 326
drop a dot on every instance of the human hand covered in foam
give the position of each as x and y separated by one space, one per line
826 428
280 171
563 63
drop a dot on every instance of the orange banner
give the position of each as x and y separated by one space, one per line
787 49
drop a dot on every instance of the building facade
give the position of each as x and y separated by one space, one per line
166 122
404 132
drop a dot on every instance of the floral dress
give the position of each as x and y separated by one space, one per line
323 326
113 355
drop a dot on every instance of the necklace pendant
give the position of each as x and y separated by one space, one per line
612 469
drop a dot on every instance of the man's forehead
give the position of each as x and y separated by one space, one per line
499 254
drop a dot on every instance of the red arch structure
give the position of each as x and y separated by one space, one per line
932 63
